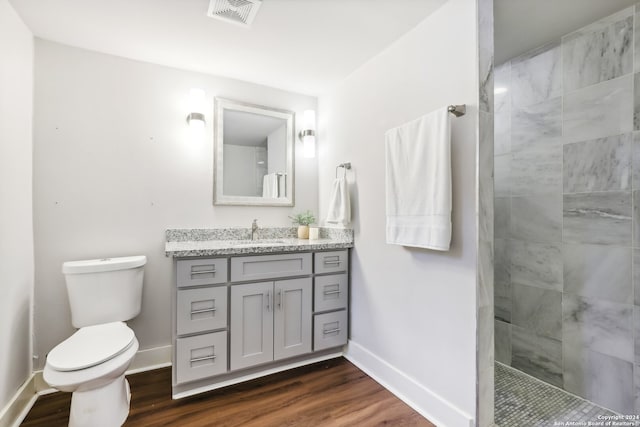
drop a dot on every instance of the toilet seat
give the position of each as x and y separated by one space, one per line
90 346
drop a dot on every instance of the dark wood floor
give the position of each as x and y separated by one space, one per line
331 393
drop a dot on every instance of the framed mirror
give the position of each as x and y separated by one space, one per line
253 154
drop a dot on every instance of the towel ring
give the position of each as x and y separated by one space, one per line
345 166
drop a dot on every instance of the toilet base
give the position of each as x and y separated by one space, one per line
106 406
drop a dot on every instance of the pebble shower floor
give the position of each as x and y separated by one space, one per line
523 401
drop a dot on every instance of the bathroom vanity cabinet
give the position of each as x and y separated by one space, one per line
242 317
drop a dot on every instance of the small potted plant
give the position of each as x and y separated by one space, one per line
303 220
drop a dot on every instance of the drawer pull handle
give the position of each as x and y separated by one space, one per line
332 262
204 310
193 273
332 292
202 359
331 331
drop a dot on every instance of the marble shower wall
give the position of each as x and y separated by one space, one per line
567 197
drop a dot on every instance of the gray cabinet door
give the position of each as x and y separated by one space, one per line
200 356
261 267
330 330
251 324
331 262
201 271
292 318
331 292
201 309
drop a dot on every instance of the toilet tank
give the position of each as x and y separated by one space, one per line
104 290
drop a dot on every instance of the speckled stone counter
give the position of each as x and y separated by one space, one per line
194 242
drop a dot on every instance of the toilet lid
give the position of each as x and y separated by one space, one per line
90 346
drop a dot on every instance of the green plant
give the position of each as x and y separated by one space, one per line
304 218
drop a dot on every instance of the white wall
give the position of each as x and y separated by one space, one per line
113 170
413 311
16 220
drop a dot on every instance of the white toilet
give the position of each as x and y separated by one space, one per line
103 294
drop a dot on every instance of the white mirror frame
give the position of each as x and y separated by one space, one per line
219 198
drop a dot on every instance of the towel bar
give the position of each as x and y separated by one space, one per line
345 166
457 110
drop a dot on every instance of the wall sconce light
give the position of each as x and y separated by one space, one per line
308 134
196 106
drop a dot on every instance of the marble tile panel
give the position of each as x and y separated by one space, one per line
602 164
536 170
537 356
636 380
502 281
502 342
537 310
537 218
598 53
601 218
635 162
485 177
602 379
538 124
485 92
598 325
636 101
636 277
502 217
502 88
502 175
502 132
485 274
536 75
598 271
636 333
598 111
636 39
636 218
536 264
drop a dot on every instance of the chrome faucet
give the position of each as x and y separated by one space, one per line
254 229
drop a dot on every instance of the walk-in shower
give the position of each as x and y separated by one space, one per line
567 227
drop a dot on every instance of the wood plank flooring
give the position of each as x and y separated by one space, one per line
331 393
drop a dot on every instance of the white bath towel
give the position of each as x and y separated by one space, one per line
418 184
270 186
340 204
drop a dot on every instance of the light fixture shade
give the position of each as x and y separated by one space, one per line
309 146
308 134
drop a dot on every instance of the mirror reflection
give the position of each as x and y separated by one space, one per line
254 154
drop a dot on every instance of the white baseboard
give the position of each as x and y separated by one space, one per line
150 359
19 406
424 401
145 360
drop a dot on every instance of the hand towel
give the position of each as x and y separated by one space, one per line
339 204
270 186
418 182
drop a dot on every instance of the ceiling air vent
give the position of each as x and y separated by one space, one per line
239 12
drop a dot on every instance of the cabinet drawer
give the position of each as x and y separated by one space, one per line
330 292
196 272
201 309
331 262
329 330
270 266
201 356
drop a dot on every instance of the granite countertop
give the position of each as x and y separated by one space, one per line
237 241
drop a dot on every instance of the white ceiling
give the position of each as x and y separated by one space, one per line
521 25
301 45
